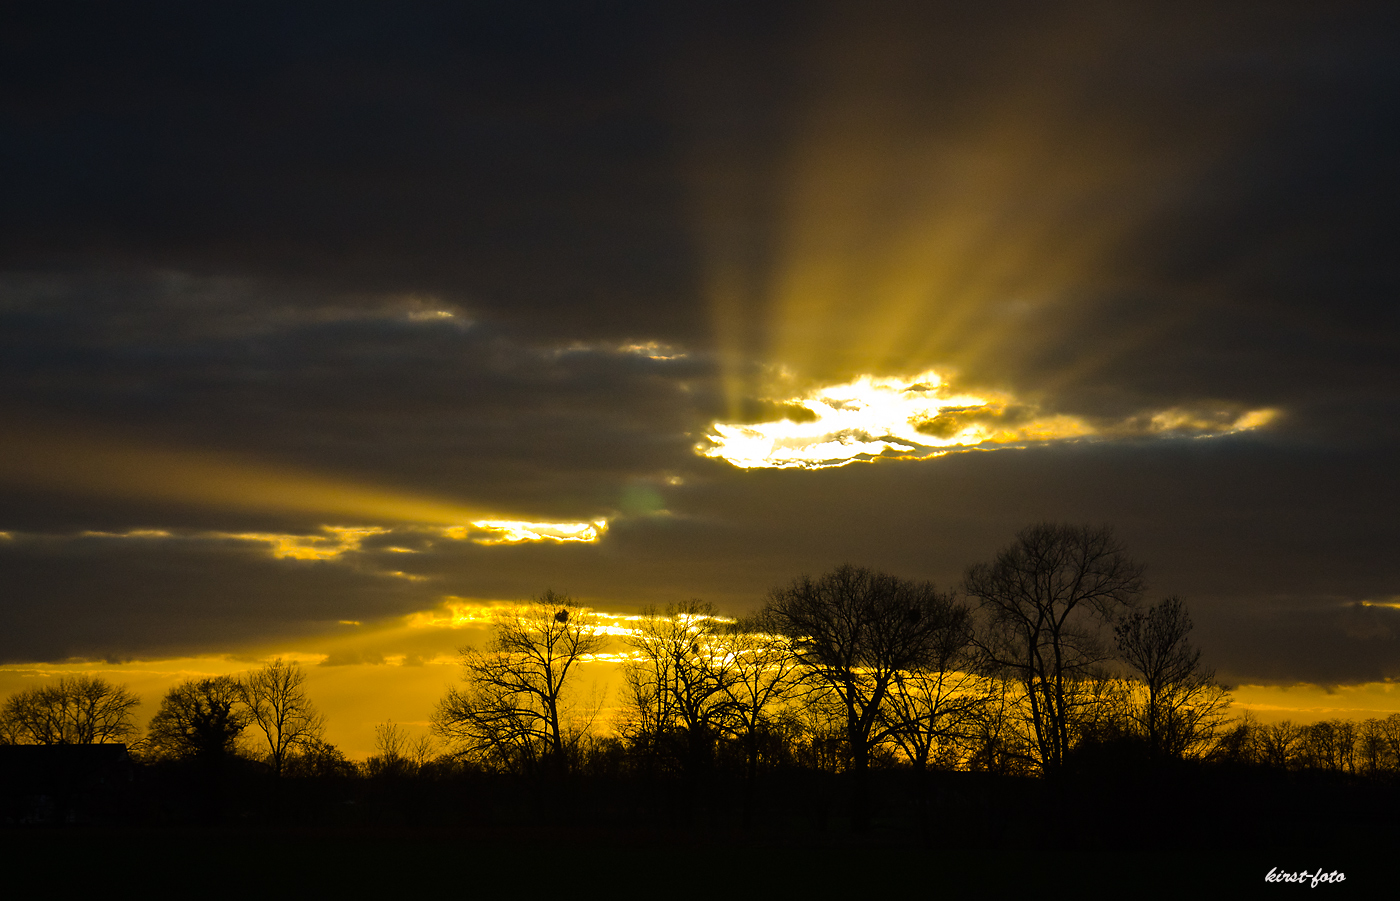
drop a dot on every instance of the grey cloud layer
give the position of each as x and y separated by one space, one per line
234 230
1273 566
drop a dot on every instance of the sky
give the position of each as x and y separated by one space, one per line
326 327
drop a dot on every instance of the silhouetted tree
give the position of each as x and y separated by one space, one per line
1278 744
1328 745
854 631
1378 745
318 759
1237 742
995 743
199 719
280 709
1104 735
1184 707
931 707
513 710
763 668
77 710
397 753
1044 600
677 680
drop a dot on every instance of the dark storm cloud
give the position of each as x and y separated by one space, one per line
117 597
393 390
424 148
1270 546
244 231
1274 553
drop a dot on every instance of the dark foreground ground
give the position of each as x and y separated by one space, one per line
1185 832
579 862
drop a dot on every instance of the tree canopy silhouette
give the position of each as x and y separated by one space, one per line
77 710
513 710
199 719
1045 599
855 630
281 710
1184 705
678 680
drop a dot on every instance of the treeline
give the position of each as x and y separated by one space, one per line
852 691
265 716
1370 747
1047 648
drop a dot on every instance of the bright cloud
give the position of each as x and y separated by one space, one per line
505 531
339 540
920 417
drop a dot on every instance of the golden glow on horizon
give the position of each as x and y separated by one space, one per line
1305 702
399 673
919 417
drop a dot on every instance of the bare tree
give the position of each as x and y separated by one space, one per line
78 710
513 711
1378 744
199 719
855 631
281 710
398 753
1279 744
996 741
1328 745
932 706
318 759
1045 599
1184 707
678 677
763 669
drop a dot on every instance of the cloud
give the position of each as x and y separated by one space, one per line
414 270
917 417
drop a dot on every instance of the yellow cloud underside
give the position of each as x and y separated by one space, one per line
341 539
337 541
310 547
919 416
505 531
87 462
102 464
461 613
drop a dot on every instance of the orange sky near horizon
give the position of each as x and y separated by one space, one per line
369 674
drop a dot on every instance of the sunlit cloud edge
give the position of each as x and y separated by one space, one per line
920 417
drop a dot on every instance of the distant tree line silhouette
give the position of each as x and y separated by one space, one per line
1047 665
858 668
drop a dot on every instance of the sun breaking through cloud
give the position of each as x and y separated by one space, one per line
502 531
920 416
